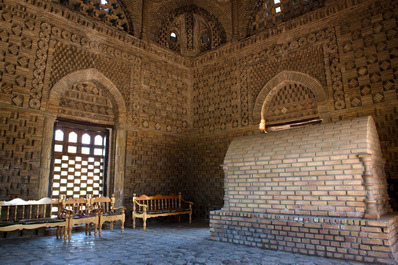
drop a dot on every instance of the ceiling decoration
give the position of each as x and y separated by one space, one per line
111 12
269 13
191 30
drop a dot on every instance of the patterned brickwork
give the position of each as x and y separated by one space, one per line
216 97
308 61
156 164
269 13
183 18
87 101
16 55
67 59
20 149
205 178
164 97
293 102
369 55
111 12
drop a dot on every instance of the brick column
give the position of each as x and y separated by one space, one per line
371 207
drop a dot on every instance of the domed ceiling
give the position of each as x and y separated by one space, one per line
192 27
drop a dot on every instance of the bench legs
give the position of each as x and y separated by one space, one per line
144 219
62 231
134 223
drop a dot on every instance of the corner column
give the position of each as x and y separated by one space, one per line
45 159
120 160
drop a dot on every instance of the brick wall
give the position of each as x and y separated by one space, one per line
308 171
342 238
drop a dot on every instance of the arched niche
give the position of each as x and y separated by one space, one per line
305 90
87 81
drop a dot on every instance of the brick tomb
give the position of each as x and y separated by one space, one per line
317 190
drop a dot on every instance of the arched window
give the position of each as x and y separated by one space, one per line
173 37
86 139
72 137
59 135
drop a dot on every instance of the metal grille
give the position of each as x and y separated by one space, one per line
79 162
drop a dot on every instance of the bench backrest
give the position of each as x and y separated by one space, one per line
158 202
79 206
18 209
105 203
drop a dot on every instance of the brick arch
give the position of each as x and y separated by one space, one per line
118 142
88 75
277 82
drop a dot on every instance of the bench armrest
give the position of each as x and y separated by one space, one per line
63 212
139 204
191 203
97 210
122 208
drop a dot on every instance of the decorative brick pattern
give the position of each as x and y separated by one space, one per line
205 159
293 102
216 97
68 59
88 101
308 61
16 55
188 17
111 13
20 149
155 164
368 49
268 13
164 98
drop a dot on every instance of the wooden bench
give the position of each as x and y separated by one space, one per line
78 211
145 207
18 214
108 212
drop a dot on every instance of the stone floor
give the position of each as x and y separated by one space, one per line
171 243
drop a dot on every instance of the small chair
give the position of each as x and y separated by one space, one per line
108 212
78 211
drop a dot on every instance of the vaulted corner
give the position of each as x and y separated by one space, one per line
266 14
190 30
111 12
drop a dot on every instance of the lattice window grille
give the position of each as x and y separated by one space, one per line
79 163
